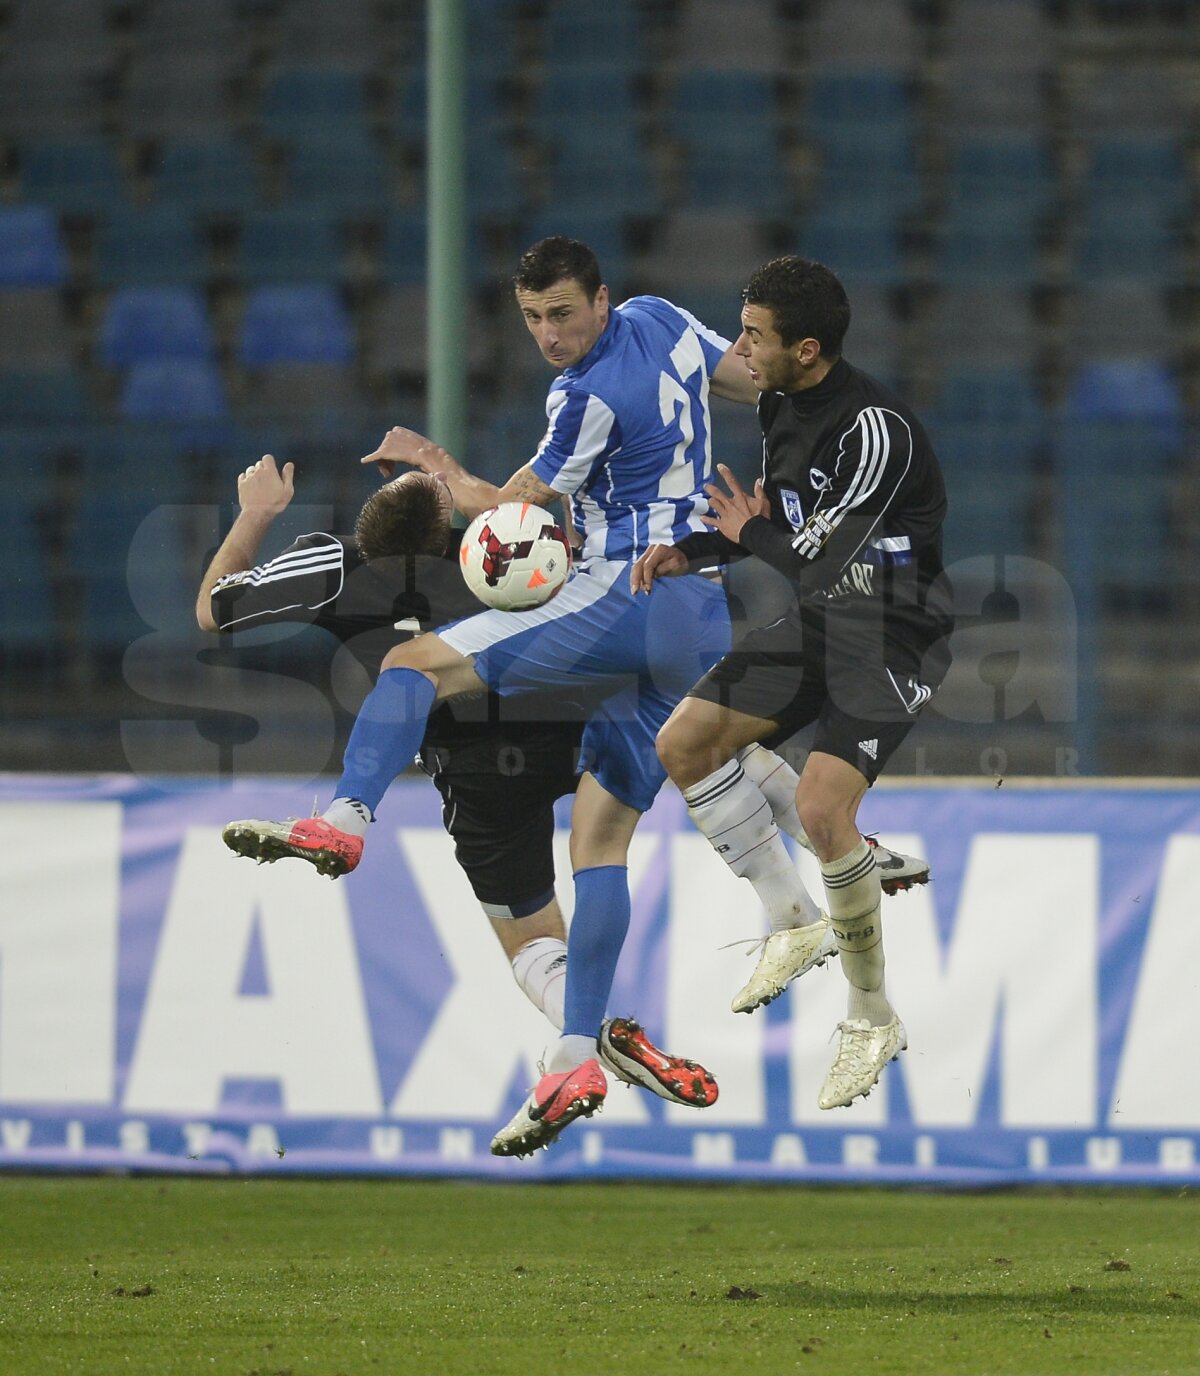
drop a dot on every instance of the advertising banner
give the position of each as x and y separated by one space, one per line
167 1006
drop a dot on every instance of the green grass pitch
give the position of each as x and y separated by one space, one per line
269 1277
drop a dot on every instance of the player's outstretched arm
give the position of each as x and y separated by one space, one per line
731 379
659 561
263 492
403 446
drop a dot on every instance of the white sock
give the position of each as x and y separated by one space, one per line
777 781
540 968
852 884
569 1052
730 810
348 814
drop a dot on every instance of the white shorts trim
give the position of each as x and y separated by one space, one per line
488 628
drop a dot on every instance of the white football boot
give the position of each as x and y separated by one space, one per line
862 1053
785 956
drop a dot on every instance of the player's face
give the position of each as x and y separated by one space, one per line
772 366
563 321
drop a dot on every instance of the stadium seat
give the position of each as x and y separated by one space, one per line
703 250
980 243
1129 242
1129 389
569 103
1007 174
31 247
290 245
154 322
26 587
158 246
80 177
216 178
871 169
303 323
403 255
132 557
724 110
597 36
583 187
349 176
1150 171
988 467
990 396
173 389
44 394
857 249
301 103
836 101
292 390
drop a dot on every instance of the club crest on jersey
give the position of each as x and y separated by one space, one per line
819 480
792 508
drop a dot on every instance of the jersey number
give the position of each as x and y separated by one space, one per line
675 407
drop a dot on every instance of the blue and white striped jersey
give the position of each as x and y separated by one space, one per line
629 435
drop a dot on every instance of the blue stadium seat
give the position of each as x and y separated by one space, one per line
856 248
154 322
132 556
727 110
173 389
607 35
583 187
152 247
869 168
26 589
305 102
290 245
1117 475
1007 174
80 177
573 109
218 178
403 256
31 247
876 98
979 243
721 179
1149 171
349 176
295 324
1128 241
990 396
51 394
1143 391
988 467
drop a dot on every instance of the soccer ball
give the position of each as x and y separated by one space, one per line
514 556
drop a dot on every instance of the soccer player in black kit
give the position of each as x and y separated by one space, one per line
850 509
498 778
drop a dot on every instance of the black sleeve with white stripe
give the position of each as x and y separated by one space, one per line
874 457
293 586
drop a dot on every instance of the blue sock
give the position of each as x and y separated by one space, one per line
593 945
387 734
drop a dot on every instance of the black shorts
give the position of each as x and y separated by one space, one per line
498 794
864 690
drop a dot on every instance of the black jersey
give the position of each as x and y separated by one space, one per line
857 504
322 580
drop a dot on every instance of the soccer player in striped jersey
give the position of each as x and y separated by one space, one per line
850 508
628 442
397 577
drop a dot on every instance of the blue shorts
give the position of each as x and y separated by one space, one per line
650 648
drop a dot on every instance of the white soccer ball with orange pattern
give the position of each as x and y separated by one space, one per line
515 556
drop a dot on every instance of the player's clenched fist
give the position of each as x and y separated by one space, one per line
263 488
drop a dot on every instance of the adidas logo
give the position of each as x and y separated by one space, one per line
870 747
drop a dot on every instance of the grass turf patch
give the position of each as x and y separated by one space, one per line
265 1277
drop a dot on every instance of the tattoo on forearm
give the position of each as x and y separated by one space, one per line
526 486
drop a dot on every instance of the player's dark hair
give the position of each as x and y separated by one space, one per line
553 259
806 300
402 518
